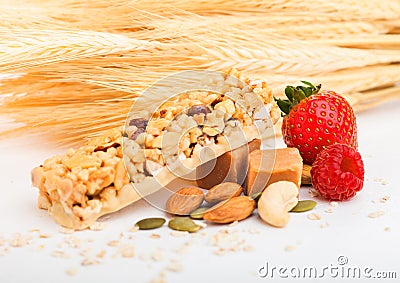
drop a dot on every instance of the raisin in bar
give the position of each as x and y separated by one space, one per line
182 133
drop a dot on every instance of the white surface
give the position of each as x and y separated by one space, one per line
351 233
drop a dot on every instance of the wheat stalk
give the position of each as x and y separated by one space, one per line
85 61
382 41
27 48
82 44
371 9
369 99
129 16
276 57
297 25
74 119
344 81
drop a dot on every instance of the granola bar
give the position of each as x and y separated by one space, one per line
80 186
123 165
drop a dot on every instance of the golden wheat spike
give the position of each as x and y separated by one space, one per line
80 44
124 16
217 54
27 48
301 26
367 100
65 120
382 41
371 9
343 81
84 85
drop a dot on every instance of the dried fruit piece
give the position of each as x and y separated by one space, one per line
184 201
140 124
199 213
183 224
198 109
338 172
304 205
276 201
150 223
223 191
234 209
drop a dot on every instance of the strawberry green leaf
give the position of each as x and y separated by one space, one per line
309 84
311 89
289 93
295 95
284 105
299 94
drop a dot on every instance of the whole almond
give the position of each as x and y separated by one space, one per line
184 201
234 209
223 191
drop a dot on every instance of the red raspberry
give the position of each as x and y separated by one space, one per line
338 172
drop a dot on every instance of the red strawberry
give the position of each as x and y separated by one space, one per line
314 120
338 172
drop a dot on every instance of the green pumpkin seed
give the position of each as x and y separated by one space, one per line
304 205
183 224
150 223
256 196
198 213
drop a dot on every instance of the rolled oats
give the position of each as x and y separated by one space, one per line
72 271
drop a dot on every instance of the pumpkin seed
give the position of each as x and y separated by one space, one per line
304 205
256 196
150 223
198 213
183 224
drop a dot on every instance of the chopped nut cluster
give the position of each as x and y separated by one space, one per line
79 186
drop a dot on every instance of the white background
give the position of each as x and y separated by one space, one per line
351 233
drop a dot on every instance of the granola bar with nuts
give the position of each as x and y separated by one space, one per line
123 165
80 186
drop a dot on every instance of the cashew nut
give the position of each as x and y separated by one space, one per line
276 201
